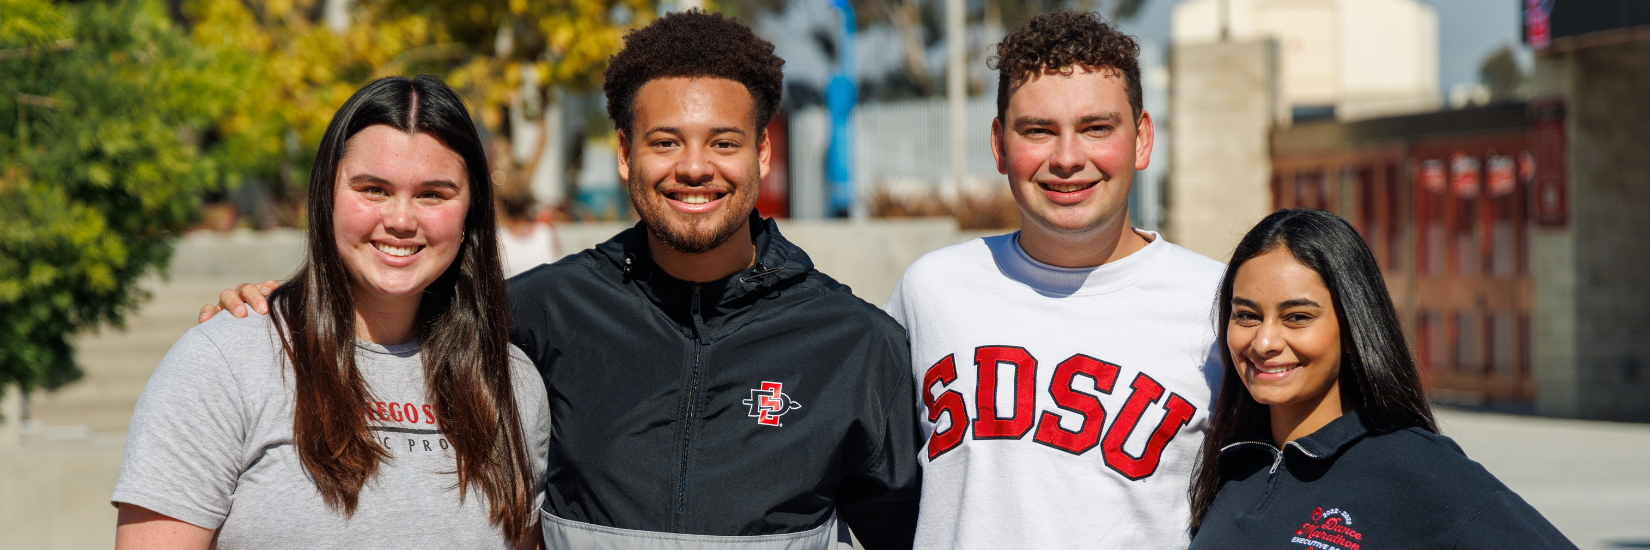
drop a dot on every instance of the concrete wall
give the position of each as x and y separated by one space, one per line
1593 275
1222 97
868 256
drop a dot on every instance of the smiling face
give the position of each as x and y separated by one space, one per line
1070 146
398 213
1284 337
695 161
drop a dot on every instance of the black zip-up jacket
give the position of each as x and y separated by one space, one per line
754 405
1352 485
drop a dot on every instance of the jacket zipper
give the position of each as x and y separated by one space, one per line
1272 479
688 413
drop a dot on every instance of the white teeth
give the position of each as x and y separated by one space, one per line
1066 188
1272 371
693 198
396 250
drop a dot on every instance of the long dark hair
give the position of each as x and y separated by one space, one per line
462 324
1378 374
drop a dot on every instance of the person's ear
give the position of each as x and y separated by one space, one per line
764 154
1143 141
624 156
997 152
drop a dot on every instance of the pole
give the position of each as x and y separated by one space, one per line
956 96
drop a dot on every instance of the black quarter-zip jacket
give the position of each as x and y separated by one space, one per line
1353 485
754 405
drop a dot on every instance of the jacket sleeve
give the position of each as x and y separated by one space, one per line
1505 521
527 316
882 478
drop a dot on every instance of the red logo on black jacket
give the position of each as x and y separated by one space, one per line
769 402
1330 530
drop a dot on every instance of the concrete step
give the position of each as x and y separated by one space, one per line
117 363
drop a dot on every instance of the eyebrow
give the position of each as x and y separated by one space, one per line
678 131
1286 304
369 178
1297 302
1113 118
1032 121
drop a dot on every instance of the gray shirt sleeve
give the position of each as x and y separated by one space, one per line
533 403
185 445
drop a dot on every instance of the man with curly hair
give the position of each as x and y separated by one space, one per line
708 387
1064 368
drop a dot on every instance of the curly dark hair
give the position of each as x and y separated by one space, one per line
1060 41
688 44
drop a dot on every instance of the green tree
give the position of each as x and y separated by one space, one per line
101 104
295 69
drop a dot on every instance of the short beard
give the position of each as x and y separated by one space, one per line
696 243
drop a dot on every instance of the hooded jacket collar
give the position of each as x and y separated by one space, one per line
779 264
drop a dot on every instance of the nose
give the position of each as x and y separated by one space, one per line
1067 159
694 167
400 220
1268 341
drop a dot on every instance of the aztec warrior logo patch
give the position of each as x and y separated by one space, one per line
769 402
1330 530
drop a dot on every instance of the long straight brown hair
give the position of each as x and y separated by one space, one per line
462 325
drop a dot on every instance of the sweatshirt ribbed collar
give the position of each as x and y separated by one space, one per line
1055 281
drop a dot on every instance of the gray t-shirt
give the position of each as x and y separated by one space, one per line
211 444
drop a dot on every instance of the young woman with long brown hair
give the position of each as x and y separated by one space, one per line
1322 436
380 402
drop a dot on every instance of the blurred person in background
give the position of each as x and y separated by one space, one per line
1322 434
1065 368
708 387
379 401
525 241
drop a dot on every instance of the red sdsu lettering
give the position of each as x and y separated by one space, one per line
1144 392
988 425
1086 406
949 403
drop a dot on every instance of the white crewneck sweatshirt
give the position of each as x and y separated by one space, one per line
1064 407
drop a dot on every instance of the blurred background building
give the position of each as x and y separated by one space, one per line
1510 225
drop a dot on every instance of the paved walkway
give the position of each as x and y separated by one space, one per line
1591 479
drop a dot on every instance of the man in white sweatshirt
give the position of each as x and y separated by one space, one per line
1065 369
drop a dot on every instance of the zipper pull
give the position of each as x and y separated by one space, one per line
1277 461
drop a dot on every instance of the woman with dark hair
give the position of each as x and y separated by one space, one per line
1321 435
380 402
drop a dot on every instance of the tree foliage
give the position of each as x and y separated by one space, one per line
116 115
294 69
99 168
